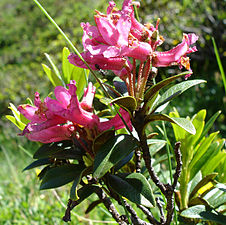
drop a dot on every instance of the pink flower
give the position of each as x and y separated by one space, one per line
177 55
44 125
116 36
68 107
116 122
58 119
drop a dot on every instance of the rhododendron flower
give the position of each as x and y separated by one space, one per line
116 36
177 55
68 107
58 119
44 125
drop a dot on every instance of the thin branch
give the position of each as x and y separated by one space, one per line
179 165
138 160
135 219
110 207
159 205
139 125
149 215
80 217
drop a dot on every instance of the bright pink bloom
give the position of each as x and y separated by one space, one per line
56 119
116 36
68 107
116 122
177 55
43 123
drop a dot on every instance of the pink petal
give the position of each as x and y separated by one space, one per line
87 100
27 111
62 96
139 51
52 134
107 30
116 122
110 7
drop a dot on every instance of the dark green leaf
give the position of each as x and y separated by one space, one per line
93 205
39 162
73 191
175 91
205 213
84 192
157 87
182 122
111 152
134 187
49 150
127 102
59 176
124 161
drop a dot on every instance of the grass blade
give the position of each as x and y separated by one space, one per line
219 63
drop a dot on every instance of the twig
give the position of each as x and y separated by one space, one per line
162 217
139 125
138 160
135 219
75 214
110 207
179 165
171 188
148 214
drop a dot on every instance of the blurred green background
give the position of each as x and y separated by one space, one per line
26 34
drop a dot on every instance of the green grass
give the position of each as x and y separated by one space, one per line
21 202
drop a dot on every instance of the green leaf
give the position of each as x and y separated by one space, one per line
182 122
56 71
126 102
202 183
80 76
205 213
37 163
213 162
59 176
62 149
123 162
150 93
67 67
17 119
193 182
179 132
217 196
134 187
111 152
19 124
175 91
84 192
208 125
200 152
154 148
93 205
206 158
73 191
219 63
54 79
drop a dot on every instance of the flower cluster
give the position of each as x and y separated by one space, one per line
64 117
118 36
